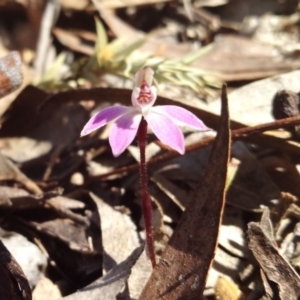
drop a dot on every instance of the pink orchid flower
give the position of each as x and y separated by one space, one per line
163 120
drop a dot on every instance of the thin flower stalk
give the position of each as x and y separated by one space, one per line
146 201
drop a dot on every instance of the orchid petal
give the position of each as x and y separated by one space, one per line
105 116
123 131
166 131
180 116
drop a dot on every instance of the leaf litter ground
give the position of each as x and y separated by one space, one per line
71 217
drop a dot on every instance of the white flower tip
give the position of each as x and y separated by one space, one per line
144 75
116 153
181 151
200 126
177 148
204 128
83 133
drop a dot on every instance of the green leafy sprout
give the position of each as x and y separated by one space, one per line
125 60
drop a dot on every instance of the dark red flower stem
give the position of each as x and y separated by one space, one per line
146 201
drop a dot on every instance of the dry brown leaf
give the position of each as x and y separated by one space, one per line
8 171
175 193
29 133
13 282
72 41
119 234
253 60
237 10
274 266
251 186
62 202
67 231
112 284
182 270
255 99
140 274
15 198
283 173
30 258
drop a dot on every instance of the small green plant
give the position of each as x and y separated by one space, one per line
125 60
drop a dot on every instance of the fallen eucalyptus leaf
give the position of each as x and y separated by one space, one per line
13 283
275 267
119 234
182 270
112 284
